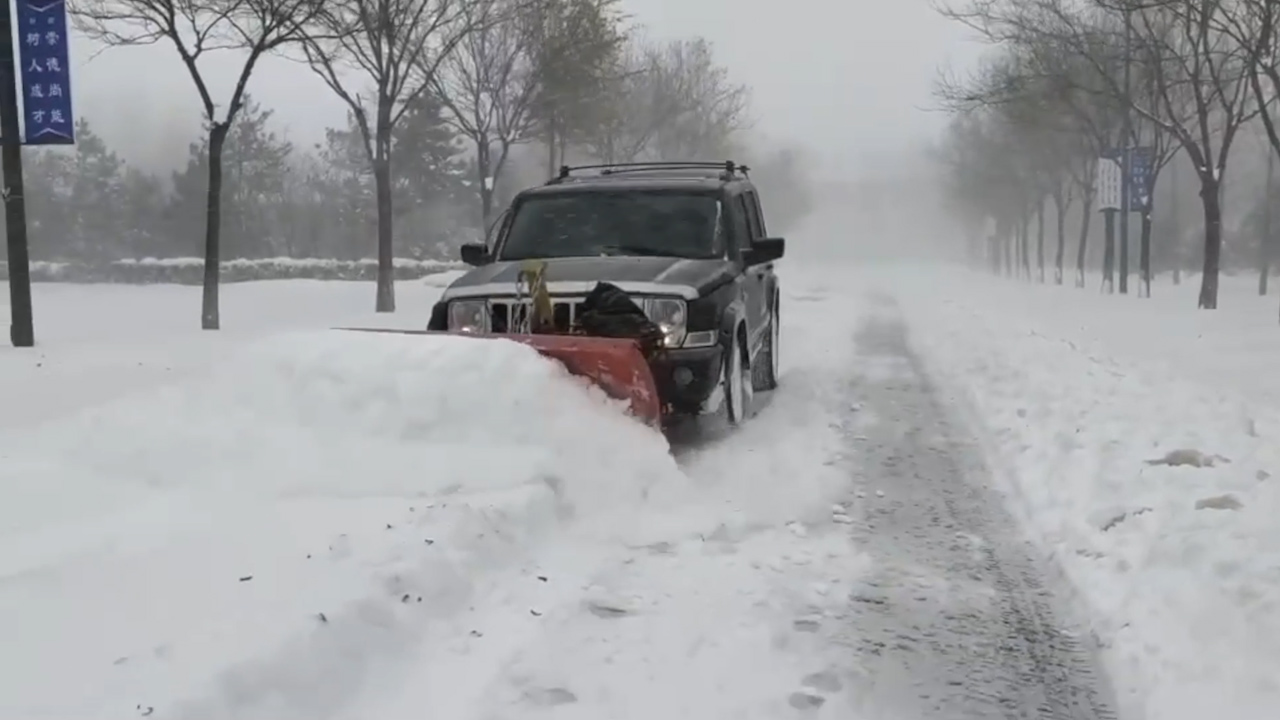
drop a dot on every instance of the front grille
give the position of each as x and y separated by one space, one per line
507 313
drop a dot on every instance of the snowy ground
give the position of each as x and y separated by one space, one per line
280 521
1077 394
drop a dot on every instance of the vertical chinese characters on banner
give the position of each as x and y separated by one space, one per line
1140 169
46 77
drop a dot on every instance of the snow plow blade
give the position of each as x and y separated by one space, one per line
616 366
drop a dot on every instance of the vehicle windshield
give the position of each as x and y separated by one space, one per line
592 223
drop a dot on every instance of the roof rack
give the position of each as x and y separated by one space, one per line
725 170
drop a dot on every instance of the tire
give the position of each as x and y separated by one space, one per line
767 371
738 388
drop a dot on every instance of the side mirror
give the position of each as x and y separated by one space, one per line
475 254
766 250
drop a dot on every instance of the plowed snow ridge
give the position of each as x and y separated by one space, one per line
335 457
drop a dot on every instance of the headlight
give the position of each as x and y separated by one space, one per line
670 315
471 316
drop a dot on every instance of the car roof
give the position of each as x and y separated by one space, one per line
616 183
701 177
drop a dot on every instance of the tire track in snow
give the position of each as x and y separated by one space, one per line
957 620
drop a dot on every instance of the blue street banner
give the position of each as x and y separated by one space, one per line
46 75
1141 162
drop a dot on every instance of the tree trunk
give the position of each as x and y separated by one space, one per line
386 292
1265 243
1144 253
1015 249
1086 219
1024 240
483 168
1109 253
551 147
1125 217
210 318
1040 237
1175 222
1211 199
1008 243
1264 268
1060 218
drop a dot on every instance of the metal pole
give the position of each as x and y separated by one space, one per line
1125 160
21 331
1174 221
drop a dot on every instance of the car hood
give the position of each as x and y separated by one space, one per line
697 275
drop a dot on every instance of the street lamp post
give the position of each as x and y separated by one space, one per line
1126 160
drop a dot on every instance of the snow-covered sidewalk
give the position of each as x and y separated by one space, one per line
1085 404
313 524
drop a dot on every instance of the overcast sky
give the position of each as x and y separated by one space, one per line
849 77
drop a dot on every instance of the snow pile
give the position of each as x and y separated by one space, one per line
190 270
1152 487
95 343
306 517
730 597
353 525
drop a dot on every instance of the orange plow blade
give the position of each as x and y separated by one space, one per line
616 366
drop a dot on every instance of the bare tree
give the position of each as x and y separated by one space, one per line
668 101
635 103
1255 27
196 29
1044 97
379 57
1199 77
488 85
708 106
1200 94
575 52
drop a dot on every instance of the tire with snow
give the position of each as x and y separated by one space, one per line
736 377
766 372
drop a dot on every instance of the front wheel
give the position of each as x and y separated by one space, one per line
736 378
766 375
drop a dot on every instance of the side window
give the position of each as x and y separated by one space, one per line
741 225
756 217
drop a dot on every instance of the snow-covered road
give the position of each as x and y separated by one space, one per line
284 522
960 617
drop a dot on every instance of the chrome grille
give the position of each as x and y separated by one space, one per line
504 312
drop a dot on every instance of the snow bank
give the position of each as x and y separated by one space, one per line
190 270
1178 565
295 524
95 343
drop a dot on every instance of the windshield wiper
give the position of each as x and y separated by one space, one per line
636 250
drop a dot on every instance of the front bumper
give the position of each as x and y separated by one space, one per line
687 377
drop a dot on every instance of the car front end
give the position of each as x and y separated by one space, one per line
687 367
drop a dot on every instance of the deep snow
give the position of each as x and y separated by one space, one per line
241 524
282 521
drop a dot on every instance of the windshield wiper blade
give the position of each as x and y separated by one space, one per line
636 250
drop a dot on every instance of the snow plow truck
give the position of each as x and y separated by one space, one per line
653 281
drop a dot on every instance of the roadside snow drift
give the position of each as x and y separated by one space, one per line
1140 451
286 530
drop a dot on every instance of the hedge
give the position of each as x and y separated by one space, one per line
190 271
